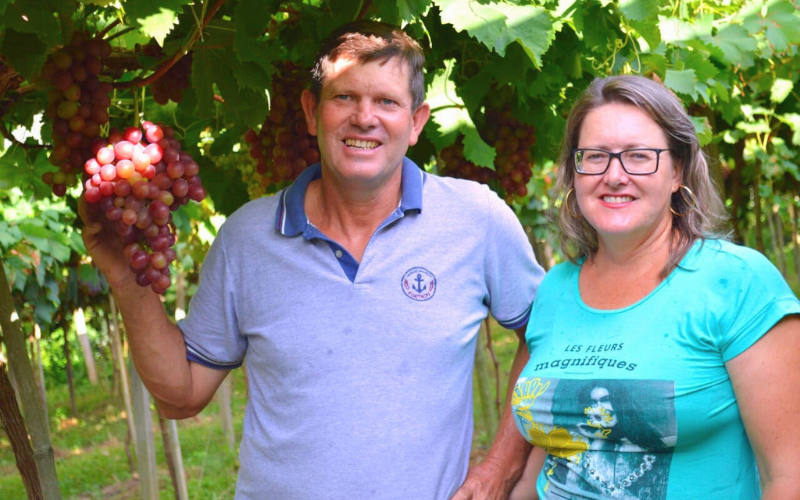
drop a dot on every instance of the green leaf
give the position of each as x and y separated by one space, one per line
448 114
9 235
476 150
250 18
25 52
639 10
204 66
703 129
676 31
793 120
497 25
412 9
649 31
682 82
37 17
736 44
156 17
780 90
780 22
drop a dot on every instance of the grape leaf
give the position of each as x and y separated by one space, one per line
476 150
28 16
703 129
676 31
736 44
449 118
156 17
250 18
203 71
412 9
25 52
639 10
780 22
793 120
497 25
648 30
682 82
780 90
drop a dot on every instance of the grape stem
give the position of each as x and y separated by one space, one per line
158 73
108 28
9 136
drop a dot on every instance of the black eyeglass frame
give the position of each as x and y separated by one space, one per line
618 156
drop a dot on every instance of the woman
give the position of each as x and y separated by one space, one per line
704 334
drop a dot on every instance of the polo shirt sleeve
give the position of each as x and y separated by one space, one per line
210 329
511 271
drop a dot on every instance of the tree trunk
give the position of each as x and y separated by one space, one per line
759 228
780 237
795 238
773 235
37 341
86 346
12 421
483 381
145 449
225 414
116 345
738 208
70 375
20 365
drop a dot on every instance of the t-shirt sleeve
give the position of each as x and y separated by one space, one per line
512 273
761 298
210 328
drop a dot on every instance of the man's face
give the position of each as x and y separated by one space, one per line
364 121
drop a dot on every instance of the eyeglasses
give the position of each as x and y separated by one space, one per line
639 161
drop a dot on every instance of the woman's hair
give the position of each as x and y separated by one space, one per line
365 41
702 215
631 423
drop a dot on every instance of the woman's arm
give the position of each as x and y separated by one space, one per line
766 381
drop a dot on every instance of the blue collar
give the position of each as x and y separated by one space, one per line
291 217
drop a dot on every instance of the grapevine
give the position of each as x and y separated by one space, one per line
512 141
77 105
283 147
135 180
170 86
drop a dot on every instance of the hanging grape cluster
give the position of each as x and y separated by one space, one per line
512 141
283 147
170 86
77 105
135 180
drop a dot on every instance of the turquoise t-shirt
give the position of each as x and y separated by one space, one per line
636 403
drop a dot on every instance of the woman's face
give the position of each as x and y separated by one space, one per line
620 206
601 404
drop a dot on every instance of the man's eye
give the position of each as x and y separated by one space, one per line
387 102
342 97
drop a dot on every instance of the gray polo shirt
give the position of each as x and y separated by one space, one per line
360 373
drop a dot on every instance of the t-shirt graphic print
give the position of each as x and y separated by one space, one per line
605 438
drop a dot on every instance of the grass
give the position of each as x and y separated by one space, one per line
92 462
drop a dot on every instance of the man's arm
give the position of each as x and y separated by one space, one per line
181 388
496 475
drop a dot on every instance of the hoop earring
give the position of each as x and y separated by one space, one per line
692 201
566 205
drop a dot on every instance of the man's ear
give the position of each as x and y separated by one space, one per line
310 110
419 119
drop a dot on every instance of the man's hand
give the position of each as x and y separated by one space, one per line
103 244
484 481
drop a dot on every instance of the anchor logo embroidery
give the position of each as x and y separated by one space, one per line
419 284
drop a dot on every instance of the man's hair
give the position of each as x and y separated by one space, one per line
366 41
705 213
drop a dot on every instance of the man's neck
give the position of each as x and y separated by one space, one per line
350 215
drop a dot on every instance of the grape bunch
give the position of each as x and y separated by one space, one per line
512 141
170 86
135 181
77 105
283 147
455 165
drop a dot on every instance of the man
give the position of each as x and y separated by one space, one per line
356 295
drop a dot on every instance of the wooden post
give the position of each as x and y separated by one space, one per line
483 380
123 370
86 346
145 447
225 414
